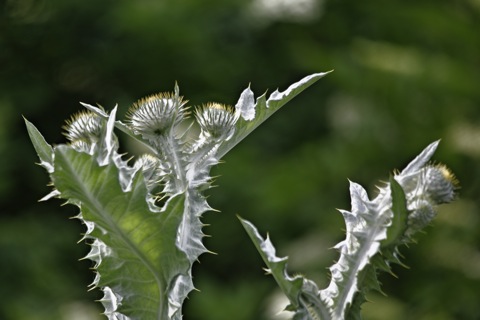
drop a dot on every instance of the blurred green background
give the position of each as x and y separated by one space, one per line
406 73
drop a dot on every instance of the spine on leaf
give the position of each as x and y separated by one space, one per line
374 231
143 248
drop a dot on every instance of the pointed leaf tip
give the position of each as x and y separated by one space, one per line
43 149
422 158
278 99
97 110
252 114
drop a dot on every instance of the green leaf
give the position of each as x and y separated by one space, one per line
43 149
143 273
400 214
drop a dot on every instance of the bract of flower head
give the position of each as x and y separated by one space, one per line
83 128
156 115
216 120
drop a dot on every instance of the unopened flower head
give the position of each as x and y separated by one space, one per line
441 183
435 183
156 115
421 216
151 168
147 162
84 128
216 120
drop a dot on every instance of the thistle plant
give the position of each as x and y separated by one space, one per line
142 218
375 230
143 214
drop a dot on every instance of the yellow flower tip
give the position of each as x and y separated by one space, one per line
159 97
219 106
448 175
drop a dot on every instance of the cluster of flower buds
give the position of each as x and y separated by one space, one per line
177 159
424 189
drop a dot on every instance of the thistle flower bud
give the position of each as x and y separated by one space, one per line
434 183
216 120
424 189
156 115
420 217
83 130
441 183
148 164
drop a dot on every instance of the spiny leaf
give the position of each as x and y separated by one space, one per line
276 266
253 114
302 293
140 259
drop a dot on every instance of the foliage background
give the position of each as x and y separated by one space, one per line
406 73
